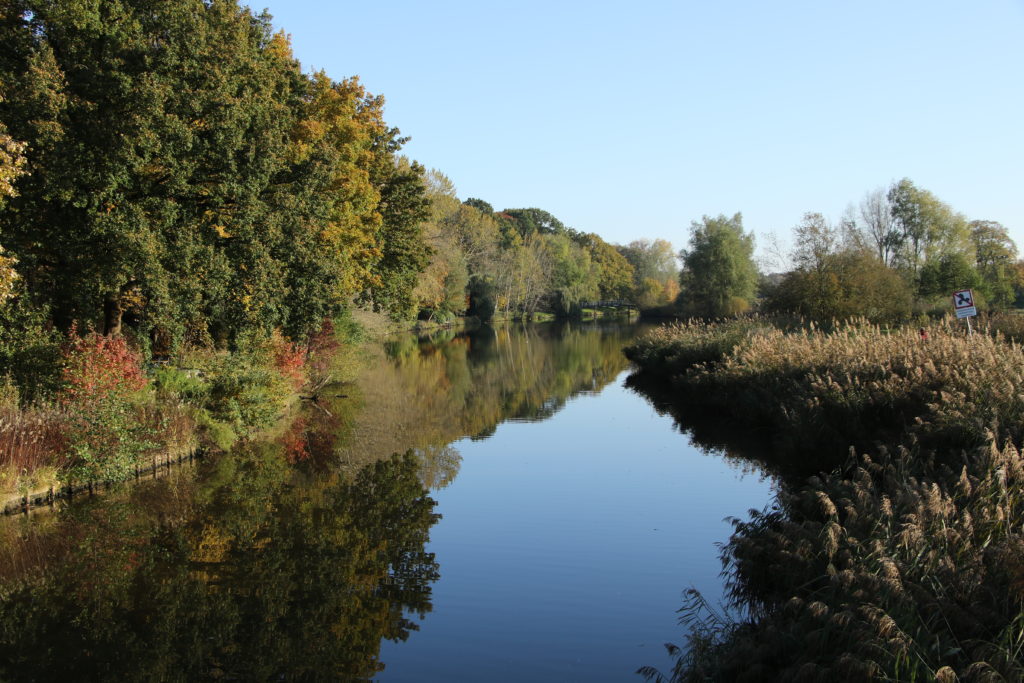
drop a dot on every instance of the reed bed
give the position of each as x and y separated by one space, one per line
676 347
858 385
32 447
905 565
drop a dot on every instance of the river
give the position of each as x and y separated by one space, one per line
542 526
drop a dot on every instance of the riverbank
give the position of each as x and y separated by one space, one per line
896 559
114 416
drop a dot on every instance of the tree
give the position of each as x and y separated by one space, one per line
941 277
12 166
615 273
849 283
927 227
441 288
12 163
815 240
529 222
651 259
574 277
837 276
404 254
479 205
876 217
719 276
149 188
655 272
995 255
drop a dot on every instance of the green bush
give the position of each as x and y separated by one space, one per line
246 391
186 384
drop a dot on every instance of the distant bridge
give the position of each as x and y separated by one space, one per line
610 303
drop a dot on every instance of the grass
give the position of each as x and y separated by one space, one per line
907 564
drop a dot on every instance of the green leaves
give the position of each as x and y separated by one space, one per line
719 275
187 173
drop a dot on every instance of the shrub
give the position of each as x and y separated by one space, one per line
289 360
246 390
99 368
30 350
183 384
102 381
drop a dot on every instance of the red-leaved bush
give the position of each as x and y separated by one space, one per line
289 360
97 368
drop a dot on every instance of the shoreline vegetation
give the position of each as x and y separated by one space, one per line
116 417
894 550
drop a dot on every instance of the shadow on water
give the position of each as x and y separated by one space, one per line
721 434
711 431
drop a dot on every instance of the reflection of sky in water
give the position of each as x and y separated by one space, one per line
565 546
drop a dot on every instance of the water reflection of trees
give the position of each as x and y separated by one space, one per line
423 393
234 573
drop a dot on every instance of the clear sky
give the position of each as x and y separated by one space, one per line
633 119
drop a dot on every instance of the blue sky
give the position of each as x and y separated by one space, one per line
632 121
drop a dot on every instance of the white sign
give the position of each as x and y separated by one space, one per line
963 303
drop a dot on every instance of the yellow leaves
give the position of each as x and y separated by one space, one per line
8 276
223 233
280 46
12 163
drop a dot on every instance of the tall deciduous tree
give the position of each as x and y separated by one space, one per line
837 276
404 207
927 227
719 276
874 213
995 255
156 130
615 273
12 166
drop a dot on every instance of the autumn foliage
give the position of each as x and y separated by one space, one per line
106 436
99 368
289 360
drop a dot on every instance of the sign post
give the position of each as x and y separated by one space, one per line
963 304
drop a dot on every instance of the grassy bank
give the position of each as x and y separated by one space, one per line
904 564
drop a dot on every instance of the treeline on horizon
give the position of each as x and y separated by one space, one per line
899 252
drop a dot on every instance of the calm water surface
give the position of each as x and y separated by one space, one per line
542 528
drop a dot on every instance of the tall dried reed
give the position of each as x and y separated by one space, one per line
905 566
31 441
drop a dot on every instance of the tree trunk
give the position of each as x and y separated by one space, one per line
112 314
